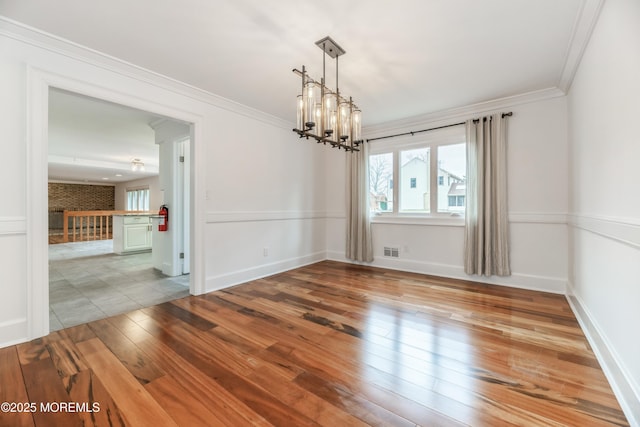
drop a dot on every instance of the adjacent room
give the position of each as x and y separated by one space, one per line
104 194
427 222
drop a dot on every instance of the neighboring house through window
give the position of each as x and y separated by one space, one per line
419 177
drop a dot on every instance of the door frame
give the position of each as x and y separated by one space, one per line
38 84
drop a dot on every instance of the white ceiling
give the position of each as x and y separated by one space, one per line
94 141
404 58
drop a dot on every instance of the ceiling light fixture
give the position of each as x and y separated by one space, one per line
326 115
137 165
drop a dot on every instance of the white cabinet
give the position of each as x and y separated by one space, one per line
131 233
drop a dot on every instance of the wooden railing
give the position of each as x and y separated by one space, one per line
90 225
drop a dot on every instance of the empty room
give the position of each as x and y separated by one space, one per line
292 213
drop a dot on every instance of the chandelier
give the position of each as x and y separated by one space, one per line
324 114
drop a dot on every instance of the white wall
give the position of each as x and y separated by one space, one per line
604 106
538 203
265 201
152 183
254 184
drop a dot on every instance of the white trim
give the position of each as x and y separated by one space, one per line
443 220
582 29
335 215
246 275
620 229
13 332
254 216
58 45
436 138
197 249
538 218
38 84
10 226
624 387
37 130
426 220
555 285
460 114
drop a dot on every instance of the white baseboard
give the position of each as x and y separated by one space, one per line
214 283
627 392
12 332
522 281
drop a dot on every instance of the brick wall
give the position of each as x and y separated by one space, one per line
80 197
77 197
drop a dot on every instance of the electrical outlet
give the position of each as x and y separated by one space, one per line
265 251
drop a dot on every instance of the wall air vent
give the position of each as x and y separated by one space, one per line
391 252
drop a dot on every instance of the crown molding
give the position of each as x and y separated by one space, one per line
581 34
58 45
452 115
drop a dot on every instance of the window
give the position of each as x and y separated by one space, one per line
456 201
138 199
381 182
413 197
419 177
452 162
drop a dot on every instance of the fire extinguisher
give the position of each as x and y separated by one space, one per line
164 220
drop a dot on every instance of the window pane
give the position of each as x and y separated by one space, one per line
381 182
138 200
452 188
414 180
144 206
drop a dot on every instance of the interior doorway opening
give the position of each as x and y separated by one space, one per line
94 143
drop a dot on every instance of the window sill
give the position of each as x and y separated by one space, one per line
425 220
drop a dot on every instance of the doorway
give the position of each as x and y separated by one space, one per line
87 281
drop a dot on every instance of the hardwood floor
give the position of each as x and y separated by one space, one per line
329 344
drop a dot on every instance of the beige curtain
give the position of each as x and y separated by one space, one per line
486 241
359 244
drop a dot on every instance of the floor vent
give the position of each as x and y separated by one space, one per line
391 252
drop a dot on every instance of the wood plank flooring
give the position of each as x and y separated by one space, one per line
330 344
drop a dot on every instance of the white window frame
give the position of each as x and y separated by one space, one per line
432 140
137 189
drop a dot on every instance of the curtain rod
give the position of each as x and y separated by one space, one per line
509 114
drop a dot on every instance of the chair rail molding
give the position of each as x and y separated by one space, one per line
621 229
256 216
13 225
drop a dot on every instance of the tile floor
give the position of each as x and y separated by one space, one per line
87 282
